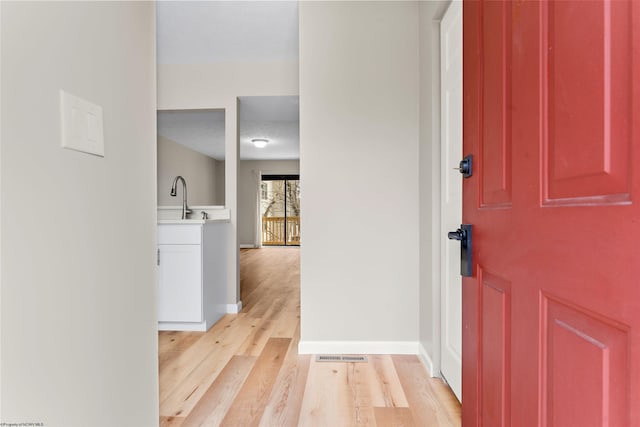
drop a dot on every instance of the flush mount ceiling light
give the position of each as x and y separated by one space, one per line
260 142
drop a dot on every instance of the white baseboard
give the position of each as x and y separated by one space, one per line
426 360
182 326
243 246
358 347
234 308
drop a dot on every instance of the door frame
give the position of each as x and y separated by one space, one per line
276 177
446 278
430 191
257 235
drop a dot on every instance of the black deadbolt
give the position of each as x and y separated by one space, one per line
466 166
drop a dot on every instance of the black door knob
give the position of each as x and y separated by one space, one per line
457 235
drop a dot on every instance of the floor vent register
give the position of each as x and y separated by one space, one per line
340 358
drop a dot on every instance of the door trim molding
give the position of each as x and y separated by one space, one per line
450 367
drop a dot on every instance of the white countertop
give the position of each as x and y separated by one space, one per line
190 221
172 214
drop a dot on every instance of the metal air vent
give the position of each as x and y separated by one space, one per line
341 358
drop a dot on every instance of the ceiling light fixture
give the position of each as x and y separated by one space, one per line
260 142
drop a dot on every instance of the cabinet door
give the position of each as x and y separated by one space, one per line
179 283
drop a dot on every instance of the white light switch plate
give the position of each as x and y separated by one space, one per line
81 125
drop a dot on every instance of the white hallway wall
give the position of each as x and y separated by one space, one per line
218 85
359 119
249 176
78 323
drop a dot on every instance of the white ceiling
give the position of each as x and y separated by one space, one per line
275 118
191 32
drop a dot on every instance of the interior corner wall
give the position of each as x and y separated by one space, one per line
220 182
248 189
77 231
359 95
218 86
430 16
198 170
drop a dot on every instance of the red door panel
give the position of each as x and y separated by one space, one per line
551 315
496 113
598 374
496 355
588 94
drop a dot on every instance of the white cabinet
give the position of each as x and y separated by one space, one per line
179 283
191 276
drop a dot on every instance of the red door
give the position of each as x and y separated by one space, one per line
551 315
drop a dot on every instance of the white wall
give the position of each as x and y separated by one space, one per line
359 161
247 192
220 182
216 82
430 16
199 171
78 327
215 86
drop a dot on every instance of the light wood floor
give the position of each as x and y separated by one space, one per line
246 371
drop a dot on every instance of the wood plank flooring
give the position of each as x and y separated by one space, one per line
246 371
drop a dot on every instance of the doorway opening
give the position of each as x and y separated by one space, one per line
280 210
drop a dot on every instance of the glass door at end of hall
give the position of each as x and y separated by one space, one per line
280 210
